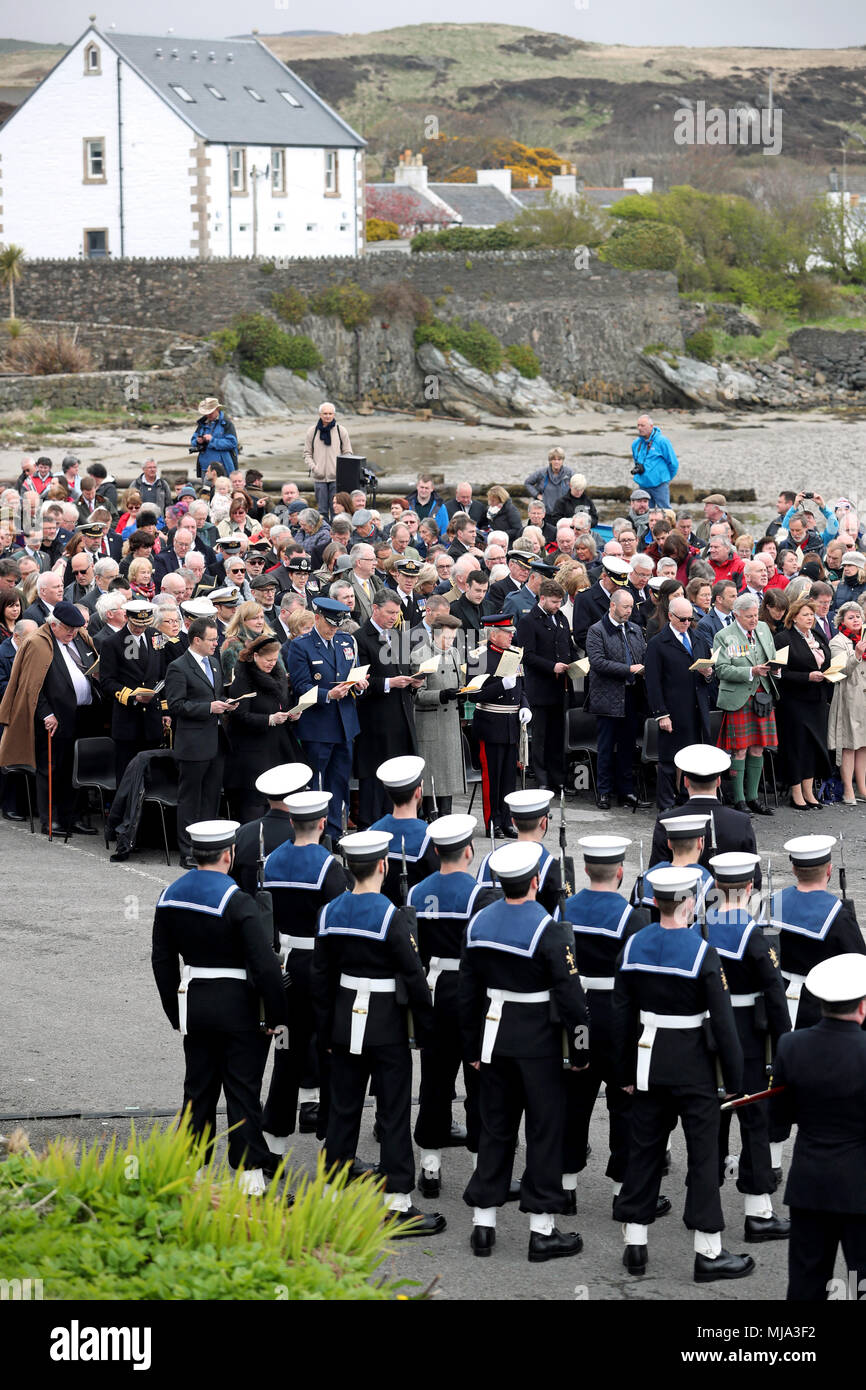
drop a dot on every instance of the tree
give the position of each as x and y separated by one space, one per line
10 270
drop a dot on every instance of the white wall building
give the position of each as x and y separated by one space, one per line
137 146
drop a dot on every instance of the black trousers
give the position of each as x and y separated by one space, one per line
616 751
390 1068
581 1089
440 1063
498 780
441 808
292 1063
373 801
815 1238
198 796
233 1063
547 748
756 1169
653 1115
511 1087
666 786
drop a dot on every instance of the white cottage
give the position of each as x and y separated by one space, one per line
136 146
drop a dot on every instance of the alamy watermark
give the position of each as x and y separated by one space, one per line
742 125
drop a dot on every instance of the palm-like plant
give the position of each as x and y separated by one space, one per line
10 270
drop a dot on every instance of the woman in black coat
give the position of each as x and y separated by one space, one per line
260 728
804 703
502 515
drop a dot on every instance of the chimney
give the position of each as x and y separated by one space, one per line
411 172
494 178
564 185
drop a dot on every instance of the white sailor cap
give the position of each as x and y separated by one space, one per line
703 761
229 593
603 849
811 850
839 978
672 883
282 780
684 827
199 608
734 866
452 832
140 608
309 805
405 771
513 862
366 846
530 803
213 834
616 567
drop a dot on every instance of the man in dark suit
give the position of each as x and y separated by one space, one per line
823 1071
386 713
545 637
193 692
593 604
472 605
616 647
639 575
174 555
462 502
519 566
702 765
677 696
49 592
130 663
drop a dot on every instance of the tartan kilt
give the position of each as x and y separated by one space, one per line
742 729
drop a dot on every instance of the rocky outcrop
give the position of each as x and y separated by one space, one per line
452 385
282 393
695 315
839 358
783 382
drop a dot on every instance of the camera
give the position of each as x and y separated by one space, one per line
808 494
635 469
197 447
369 480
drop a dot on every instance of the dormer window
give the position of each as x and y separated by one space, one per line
92 60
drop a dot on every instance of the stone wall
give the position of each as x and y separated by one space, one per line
178 388
840 358
117 347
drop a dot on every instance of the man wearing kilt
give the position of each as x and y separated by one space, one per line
746 652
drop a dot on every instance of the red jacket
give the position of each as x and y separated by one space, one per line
732 569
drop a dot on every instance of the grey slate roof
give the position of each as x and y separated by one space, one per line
478 205
236 66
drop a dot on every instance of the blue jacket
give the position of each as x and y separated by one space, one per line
831 529
552 486
315 663
435 509
658 462
223 445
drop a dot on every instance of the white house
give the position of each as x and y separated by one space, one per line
137 146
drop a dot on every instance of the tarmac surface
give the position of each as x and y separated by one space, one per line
83 1032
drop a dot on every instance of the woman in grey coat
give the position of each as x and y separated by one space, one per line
437 718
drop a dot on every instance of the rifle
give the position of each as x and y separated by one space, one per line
638 888
701 911
750 1100
761 1006
404 902
433 796
843 876
523 753
566 863
265 904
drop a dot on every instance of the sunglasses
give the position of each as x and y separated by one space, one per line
256 560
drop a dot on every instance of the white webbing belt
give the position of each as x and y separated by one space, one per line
437 965
651 1024
744 1001
201 972
363 989
602 982
792 994
497 998
294 943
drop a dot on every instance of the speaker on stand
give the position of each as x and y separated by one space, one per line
349 468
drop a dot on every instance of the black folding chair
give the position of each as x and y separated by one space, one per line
581 742
162 775
93 766
649 751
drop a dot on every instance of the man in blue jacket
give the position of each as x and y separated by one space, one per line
425 502
214 436
655 461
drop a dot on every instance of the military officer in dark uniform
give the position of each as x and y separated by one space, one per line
823 1071
275 825
519 566
702 765
548 650
501 710
686 837
130 669
301 876
403 780
225 999
366 972
758 997
410 612
668 981
515 961
225 547
443 903
301 581
226 601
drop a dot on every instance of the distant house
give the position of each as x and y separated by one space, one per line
137 146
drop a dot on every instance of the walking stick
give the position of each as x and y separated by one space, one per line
50 788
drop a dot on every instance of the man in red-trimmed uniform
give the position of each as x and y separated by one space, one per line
501 709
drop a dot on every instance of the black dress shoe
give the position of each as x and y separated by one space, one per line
362 1169
777 1174
793 806
506 832
571 1200
633 802
742 806
308 1117
482 1241
55 829
767 1228
457 1137
603 803
724 1266
119 855
422 1225
79 828
760 808
430 1186
557 1246
816 806
187 862
663 1205
635 1258
513 1190
13 815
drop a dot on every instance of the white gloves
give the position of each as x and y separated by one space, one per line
524 715
509 682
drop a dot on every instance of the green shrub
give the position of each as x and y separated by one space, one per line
347 302
817 297
136 1223
476 343
700 345
643 246
267 268
261 343
524 359
501 238
381 229
290 304
225 345
763 289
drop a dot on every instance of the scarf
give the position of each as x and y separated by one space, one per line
324 432
853 637
144 590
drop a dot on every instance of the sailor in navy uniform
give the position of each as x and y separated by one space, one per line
366 975
275 825
321 660
301 877
530 813
668 982
129 662
702 766
225 999
760 1011
686 836
517 961
444 903
403 780
501 709
602 920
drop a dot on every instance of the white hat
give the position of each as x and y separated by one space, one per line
655 582
230 593
139 608
282 780
515 861
603 849
405 771
616 567
199 608
684 827
309 805
838 979
670 882
213 834
733 866
530 803
810 850
702 761
366 846
853 557
452 832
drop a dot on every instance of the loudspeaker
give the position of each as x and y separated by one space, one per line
349 472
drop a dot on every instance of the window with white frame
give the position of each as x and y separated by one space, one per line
278 171
332 171
239 171
94 160
92 60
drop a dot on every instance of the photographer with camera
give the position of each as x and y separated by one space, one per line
814 507
655 463
214 439
323 443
